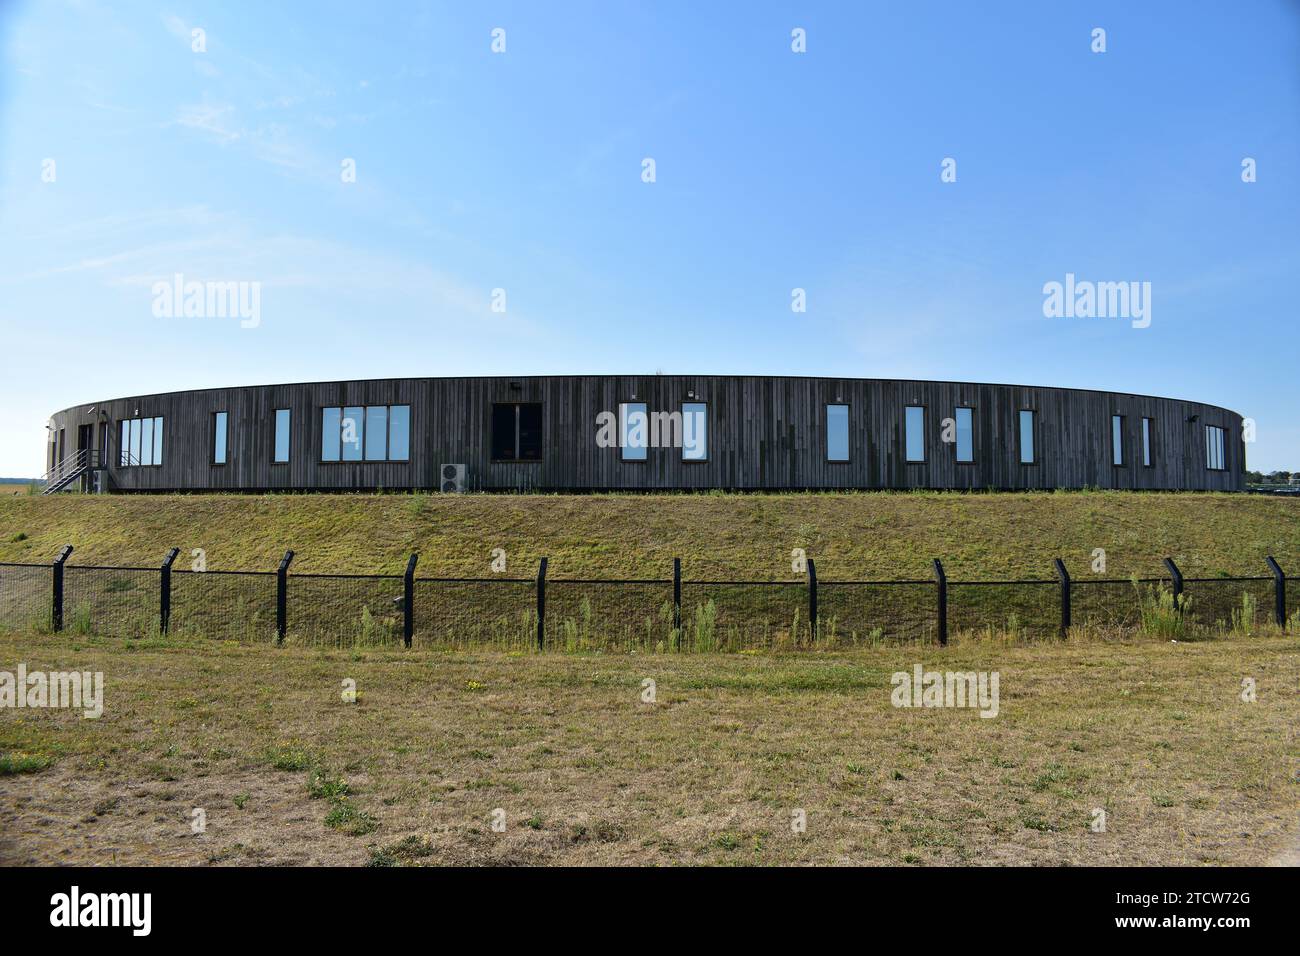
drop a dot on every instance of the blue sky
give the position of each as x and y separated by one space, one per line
774 170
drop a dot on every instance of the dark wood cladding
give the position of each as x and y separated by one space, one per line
763 433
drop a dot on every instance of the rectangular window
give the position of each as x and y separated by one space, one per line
353 429
965 435
1117 439
1027 436
517 431
219 426
281 436
837 433
141 442
146 441
377 433
695 431
1214 447
370 433
399 433
633 431
329 433
915 428
1146 443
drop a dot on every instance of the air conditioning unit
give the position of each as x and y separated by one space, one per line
453 478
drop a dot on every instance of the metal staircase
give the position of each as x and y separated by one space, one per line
81 462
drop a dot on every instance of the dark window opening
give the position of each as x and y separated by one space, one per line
517 431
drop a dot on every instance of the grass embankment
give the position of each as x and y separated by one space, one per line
854 535
712 772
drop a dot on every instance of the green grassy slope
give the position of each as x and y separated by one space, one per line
874 535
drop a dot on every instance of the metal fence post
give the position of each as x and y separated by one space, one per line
1064 575
1279 592
56 609
541 604
282 597
1178 583
165 591
812 601
941 580
408 600
677 594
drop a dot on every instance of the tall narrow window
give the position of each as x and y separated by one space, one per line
837 433
330 425
135 441
352 430
965 435
1027 436
1117 439
1214 447
399 433
157 440
1146 443
517 431
146 441
219 424
634 431
281 436
377 433
123 448
915 427
695 431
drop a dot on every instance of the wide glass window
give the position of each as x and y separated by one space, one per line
965 435
695 431
1117 439
633 431
837 433
281 436
1146 442
329 433
370 433
517 431
914 422
219 425
141 442
1027 436
1214 446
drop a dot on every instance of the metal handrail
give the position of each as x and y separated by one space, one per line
68 466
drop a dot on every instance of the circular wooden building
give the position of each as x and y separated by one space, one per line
642 432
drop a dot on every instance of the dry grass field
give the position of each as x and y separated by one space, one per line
586 772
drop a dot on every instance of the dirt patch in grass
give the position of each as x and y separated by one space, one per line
443 749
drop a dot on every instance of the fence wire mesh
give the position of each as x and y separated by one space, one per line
225 605
1242 605
852 613
344 610
737 616
1018 609
25 597
498 613
619 615
114 602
